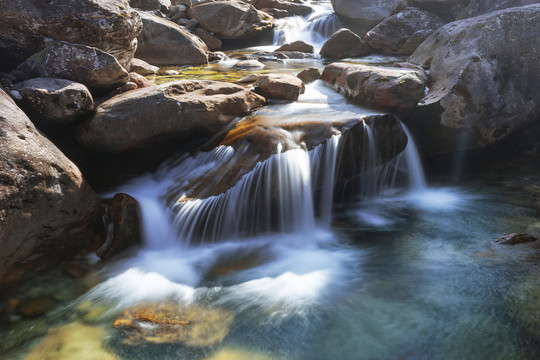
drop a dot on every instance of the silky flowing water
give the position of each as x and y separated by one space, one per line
404 268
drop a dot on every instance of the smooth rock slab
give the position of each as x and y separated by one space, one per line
55 101
84 64
395 90
176 110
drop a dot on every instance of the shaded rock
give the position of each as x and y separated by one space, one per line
72 341
75 271
109 25
231 19
309 75
163 42
479 7
514 238
187 108
166 323
249 64
55 101
367 13
35 306
279 86
125 88
212 42
87 65
122 219
403 32
395 90
142 67
343 44
47 210
139 80
483 86
299 45
150 4
292 8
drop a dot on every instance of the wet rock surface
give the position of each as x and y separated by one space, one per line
514 238
165 323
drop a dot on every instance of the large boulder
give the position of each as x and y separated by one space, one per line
162 42
110 25
231 19
279 86
403 32
367 13
445 9
150 4
395 90
484 75
292 8
479 7
343 44
47 209
54 101
176 110
84 64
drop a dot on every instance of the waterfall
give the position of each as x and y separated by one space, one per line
415 171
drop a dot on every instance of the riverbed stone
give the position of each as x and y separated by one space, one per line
309 75
514 238
162 42
231 19
395 90
53 101
166 323
344 44
142 67
483 87
84 64
47 209
109 25
35 306
279 86
403 32
298 45
187 109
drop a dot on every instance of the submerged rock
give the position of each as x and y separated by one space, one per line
54 101
403 32
84 64
396 90
72 341
279 86
483 86
231 19
187 109
35 306
109 25
343 44
514 238
162 42
166 323
47 209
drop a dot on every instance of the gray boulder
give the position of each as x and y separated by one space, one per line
484 75
150 4
343 44
367 13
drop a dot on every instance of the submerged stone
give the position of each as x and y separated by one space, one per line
165 323
514 238
35 306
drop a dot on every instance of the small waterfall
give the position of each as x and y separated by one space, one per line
415 171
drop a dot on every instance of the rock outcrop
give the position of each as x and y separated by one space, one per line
47 210
484 76
395 90
110 25
52 101
175 110
84 64
403 32
162 42
343 44
231 19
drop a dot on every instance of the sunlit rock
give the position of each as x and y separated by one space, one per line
279 86
142 67
484 76
165 323
292 7
299 45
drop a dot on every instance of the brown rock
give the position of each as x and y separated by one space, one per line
291 7
299 45
139 80
514 238
395 90
231 19
276 13
163 42
187 108
55 101
47 209
210 40
309 75
166 323
142 67
279 86
109 25
87 65
35 306
343 44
